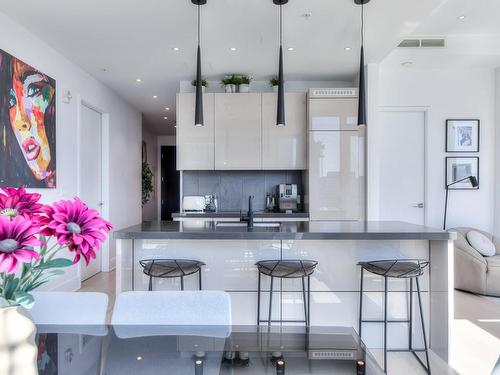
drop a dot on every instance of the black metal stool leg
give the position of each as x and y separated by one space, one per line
360 325
258 300
304 299
199 279
182 282
270 301
385 324
410 324
308 300
150 283
423 327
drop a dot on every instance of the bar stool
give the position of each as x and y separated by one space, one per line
286 269
410 269
171 268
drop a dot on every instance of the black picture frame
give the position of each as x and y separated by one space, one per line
466 184
477 134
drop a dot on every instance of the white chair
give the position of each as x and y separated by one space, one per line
70 312
199 313
139 318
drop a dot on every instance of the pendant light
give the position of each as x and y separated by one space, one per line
198 111
280 116
362 90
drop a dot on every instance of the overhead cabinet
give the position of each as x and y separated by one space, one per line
195 144
284 147
240 133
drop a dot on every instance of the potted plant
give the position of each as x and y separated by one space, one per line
32 239
245 83
204 84
274 82
227 82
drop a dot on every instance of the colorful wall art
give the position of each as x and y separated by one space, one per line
27 125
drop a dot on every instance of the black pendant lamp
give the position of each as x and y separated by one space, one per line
198 111
362 89
280 116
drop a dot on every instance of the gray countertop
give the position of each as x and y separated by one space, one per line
318 230
237 214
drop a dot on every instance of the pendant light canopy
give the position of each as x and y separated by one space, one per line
198 112
362 89
280 116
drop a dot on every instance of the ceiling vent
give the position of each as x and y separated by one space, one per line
333 93
423 43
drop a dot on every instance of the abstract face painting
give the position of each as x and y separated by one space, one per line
27 111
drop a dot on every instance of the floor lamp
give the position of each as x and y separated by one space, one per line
473 182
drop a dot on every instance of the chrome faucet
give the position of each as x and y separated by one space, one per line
250 212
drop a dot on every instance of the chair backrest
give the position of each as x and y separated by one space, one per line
194 308
69 308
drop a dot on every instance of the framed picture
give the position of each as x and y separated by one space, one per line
462 135
462 167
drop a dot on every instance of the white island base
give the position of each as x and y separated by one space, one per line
335 285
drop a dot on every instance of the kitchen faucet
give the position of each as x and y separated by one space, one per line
250 212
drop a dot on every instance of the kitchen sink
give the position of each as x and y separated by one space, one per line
244 224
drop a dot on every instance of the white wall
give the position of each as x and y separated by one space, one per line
149 210
497 152
124 128
448 93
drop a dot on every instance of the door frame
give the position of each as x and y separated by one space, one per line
427 188
105 138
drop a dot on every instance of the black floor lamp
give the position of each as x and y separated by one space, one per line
473 182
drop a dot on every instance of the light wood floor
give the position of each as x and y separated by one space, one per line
475 335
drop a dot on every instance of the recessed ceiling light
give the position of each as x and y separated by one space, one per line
165 118
233 49
290 48
139 358
175 49
155 96
462 17
347 48
167 109
407 63
138 80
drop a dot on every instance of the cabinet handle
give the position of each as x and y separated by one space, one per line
418 205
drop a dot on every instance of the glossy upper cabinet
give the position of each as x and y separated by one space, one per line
238 131
284 147
333 114
336 175
195 145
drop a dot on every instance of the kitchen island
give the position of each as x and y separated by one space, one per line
230 251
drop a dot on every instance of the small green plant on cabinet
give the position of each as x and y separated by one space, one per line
204 82
147 183
274 81
245 80
227 80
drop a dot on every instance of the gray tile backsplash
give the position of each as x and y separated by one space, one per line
234 187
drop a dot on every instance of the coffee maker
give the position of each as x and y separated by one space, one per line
287 197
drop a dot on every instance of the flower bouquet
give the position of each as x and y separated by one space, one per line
32 236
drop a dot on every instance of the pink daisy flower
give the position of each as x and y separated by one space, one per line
17 236
77 226
16 201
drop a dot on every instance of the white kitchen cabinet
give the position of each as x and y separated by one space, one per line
284 147
333 114
195 145
238 131
336 175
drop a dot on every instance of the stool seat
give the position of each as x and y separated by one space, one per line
396 268
165 268
286 269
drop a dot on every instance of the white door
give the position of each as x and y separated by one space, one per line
401 154
90 190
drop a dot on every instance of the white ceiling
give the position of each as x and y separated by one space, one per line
134 39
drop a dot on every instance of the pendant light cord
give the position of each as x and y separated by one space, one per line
199 24
281 25
362 23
